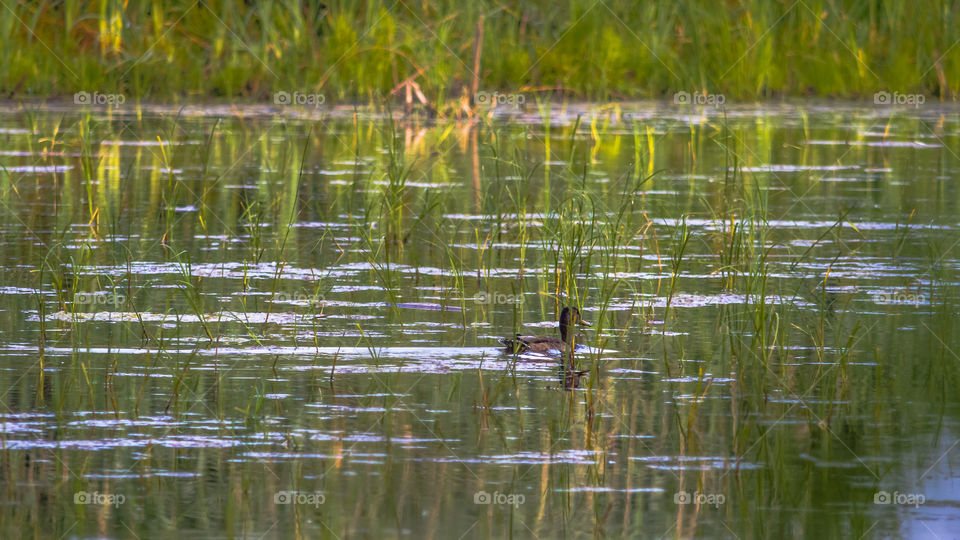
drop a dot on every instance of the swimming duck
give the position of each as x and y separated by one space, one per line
569 317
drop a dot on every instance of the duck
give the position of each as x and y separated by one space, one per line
548 345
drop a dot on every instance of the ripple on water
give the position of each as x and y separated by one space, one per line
158 421
175 441
695 463
604 489
573 457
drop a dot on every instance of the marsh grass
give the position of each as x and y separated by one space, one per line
167 49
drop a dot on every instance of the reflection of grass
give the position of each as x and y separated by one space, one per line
345 50
785 383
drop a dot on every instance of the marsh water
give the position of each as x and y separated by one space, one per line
258 322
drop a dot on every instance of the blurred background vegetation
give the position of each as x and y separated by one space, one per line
170 50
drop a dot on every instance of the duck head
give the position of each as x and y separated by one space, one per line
569 318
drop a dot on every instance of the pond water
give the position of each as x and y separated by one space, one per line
250 322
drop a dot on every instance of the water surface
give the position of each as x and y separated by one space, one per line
230 322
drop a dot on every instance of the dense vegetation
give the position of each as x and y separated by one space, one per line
171 50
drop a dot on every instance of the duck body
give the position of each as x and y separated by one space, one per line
536 344
548 345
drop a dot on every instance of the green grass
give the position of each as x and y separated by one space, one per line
173 50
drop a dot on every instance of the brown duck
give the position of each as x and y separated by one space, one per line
569 318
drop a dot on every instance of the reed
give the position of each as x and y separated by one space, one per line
351 52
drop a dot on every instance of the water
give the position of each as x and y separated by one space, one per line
230 323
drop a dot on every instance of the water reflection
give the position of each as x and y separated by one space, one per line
249 307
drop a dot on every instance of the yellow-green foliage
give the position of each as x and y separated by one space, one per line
356 51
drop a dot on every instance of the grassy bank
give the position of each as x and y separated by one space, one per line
347 51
